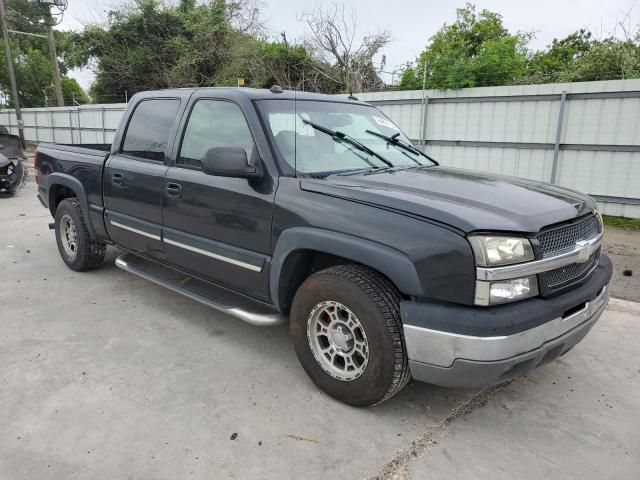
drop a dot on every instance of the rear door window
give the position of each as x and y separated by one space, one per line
147 135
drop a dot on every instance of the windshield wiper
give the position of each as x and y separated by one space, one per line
343 137
393 140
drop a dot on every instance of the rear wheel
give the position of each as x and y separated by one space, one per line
347 333
76 247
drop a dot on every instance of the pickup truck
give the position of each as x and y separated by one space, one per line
278 206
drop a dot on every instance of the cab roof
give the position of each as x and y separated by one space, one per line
256 94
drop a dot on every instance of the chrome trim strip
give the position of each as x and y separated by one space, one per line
135 230
443 348
581 253
259 319
214 255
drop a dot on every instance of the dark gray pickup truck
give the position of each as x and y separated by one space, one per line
317 210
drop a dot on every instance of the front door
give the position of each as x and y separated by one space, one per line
134 178
216 227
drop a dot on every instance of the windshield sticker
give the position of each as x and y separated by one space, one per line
385 122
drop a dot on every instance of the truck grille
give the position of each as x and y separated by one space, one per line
570 274
562 239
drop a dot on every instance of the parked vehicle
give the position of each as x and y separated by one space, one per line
317 210
13 174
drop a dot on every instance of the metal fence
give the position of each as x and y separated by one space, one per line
584 136
83 124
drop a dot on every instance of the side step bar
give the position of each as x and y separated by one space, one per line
200 291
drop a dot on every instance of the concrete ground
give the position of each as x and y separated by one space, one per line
623 247
106 376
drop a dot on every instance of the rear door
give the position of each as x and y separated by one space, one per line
219 228
133 181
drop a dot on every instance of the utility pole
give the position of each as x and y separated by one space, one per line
54 61
12 73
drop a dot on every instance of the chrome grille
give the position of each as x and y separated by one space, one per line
562 276
561 239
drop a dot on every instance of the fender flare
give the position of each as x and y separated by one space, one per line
392 263
76 187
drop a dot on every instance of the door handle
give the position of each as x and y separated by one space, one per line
117 179
174 189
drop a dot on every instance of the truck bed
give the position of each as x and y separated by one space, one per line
84 162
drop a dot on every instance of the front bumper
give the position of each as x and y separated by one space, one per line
506 341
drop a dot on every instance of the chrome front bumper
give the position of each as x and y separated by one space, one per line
455 360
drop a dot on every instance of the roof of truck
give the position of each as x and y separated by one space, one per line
262 94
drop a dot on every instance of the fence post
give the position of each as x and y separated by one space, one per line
423 133
79 126
71 126
104 127
35 121
556 147
53 128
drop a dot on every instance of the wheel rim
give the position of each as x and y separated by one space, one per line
338 341
68 236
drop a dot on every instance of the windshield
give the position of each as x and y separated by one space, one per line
328 137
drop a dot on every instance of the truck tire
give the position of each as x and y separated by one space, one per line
76 247
347 333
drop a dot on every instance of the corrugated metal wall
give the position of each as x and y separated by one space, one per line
84 124
517 130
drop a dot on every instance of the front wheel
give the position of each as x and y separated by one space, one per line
347 333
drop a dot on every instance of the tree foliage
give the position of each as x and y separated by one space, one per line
477 50
34 70
581 58
473 51
152 45
155 44
345 60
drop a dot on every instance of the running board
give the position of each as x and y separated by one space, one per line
200 291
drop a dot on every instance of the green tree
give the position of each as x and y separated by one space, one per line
34 70
475 50
152 46
581 58
291 66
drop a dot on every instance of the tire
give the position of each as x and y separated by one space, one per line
330 299
76 247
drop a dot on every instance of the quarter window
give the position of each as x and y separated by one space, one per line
214 123
147 135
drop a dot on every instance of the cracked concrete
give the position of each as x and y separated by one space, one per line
104 376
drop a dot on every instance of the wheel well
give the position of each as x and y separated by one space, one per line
57 194
299 266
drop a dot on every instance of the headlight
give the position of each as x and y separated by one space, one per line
493 293
493 250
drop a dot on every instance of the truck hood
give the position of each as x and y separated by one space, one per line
464 199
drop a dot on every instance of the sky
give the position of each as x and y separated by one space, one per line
413 22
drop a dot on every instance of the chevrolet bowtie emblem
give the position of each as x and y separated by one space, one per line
585 249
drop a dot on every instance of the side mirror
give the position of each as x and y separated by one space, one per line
229 162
